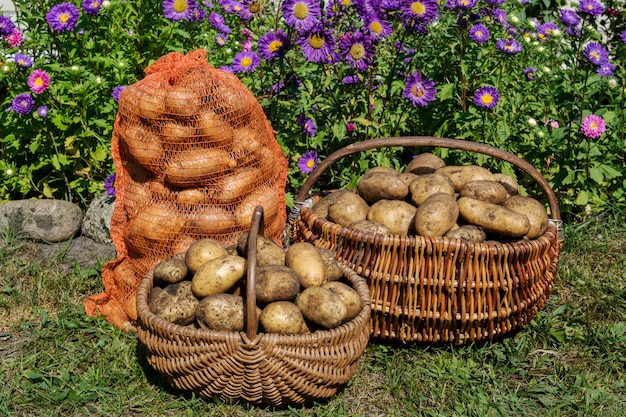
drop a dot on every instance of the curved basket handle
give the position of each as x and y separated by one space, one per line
464 145
256 229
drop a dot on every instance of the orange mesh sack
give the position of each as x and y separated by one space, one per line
194 155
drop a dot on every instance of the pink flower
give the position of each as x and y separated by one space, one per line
593 126
38 81
14 38
350 127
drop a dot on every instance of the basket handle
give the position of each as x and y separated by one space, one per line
434 142
256 230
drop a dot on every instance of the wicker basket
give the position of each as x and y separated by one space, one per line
436 289
259 368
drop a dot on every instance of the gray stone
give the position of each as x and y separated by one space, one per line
48 220
82 251
97 222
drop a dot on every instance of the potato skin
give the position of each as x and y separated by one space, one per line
195 167
332 271
459 175
307 262
201 251
268 252
428 184
218 275
349 296
485 190
170 270
321 207
322 306
221 312
276 283
382 186
174 303
348 208
531 208
510 185
424 163
396 215
467 232
282 317
369 226
437 215
493 218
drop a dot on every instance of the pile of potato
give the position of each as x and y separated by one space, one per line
298 290
430 198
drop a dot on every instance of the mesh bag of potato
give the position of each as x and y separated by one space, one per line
194 156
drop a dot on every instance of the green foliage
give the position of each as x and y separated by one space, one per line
66 154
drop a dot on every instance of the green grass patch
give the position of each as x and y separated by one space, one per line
56 361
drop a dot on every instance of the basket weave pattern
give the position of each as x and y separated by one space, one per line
259 368
438 289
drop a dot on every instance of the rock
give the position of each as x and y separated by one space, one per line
48 220
97 222
83 251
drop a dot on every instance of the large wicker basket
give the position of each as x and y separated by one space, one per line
259 368
437 289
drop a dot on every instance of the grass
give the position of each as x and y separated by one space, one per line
569 361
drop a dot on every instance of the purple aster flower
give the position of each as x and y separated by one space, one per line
308 162
419 12
591 7
23 104
499 16
23 61
510 46
109 184
419 90
596 53
317 44
309 127
606 69
38 81
351 79
357 50
301 14
378 28
623 35
92 7
14 38
117 92
479 33
6 25
463 4
63 17
593 126
218 22
246 61
494 2
179 9
530 73
569 17
273 44
546 29
198 15
42 111
227 68
221 39
487 97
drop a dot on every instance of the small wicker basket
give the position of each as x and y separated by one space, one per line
258 368
437 289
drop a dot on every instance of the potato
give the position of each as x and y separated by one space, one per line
437 215
428 184
197 166
268 252
146 98
158 222
347 208
510 185
408 177
170 270
485 190
233 187
218 275
183 101
178 132
276 283
369 226
246 141
424 163
349 296
181 244
459 175
396 215
208 219
381 170
143 145
321 207
282 317
382 186
322 307
307 262
332 271
191 196
221 312
493 218
213 130
201 251
262 196
467 232
531 208
175 303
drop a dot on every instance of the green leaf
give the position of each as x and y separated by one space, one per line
609 172
582 198
446 92
99 154
58 122
362 121
596 174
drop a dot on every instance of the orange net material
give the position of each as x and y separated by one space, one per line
194 155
